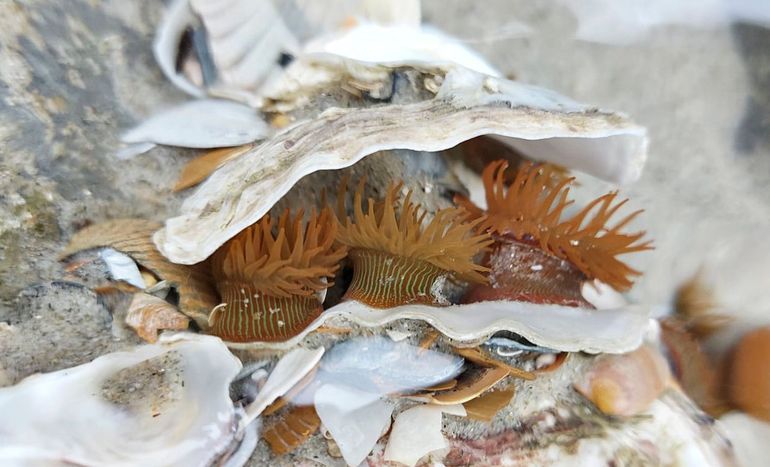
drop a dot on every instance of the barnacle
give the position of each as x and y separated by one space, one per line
398 256
530 210
268 280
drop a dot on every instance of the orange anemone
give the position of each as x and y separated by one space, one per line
399 256
530 210
268 275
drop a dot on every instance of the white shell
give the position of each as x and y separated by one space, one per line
750 437
289 370
538 122
567 329
64 418
206 123
601 295
122 267
400 44
379 365
173 25
246 38
417 431
355 419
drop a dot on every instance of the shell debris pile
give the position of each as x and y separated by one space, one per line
396 321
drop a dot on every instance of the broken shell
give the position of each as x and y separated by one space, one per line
292 429
289 371
176 20
693 369
625 384
748 380
378 365
486 406
470 386
446 385
122 267
601 296
507 346
749 436
206 123
133 237
374 43
417 432
197 169
540 123
148 314
561 328
356 419
247 42
158 404
480 357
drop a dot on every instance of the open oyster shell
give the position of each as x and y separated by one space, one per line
446 105
161 404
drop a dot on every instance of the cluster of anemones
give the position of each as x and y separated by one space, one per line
269 275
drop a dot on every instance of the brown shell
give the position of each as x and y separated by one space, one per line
693 369
471 385
480 357
134 238
625 384
748 380
486 406
148 314
292 429
199 168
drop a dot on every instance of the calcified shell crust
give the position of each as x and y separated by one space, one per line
567 329
531 211
539 123
160 404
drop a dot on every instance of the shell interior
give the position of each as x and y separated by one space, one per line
160 404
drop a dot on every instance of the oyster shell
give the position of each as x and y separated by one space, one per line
161 404
567 329
464 104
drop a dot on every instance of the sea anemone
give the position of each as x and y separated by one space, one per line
398 256
268 281
553 256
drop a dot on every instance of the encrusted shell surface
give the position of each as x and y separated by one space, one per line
465 104
566 329
161 404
